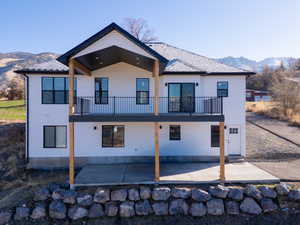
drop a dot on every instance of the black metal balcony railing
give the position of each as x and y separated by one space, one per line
133 105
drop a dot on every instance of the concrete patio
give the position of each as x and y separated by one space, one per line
171 173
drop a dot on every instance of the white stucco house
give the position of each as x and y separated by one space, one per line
131 98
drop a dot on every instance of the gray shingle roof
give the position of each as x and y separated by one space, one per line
50 66
179 61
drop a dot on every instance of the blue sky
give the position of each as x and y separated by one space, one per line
216 28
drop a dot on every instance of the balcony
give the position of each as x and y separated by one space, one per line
142 109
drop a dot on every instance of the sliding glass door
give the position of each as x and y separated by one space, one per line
181 97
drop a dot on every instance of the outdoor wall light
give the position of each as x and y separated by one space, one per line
166 84
160 126
197 84
95 127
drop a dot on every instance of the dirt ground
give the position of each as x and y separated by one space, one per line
13 173
272 153
264 219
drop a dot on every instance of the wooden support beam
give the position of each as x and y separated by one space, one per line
71 156
71 86
156 125
156 86
71 124
156 143
222 152
81 67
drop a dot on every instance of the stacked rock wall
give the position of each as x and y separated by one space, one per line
56 202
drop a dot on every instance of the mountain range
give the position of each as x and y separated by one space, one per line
17 60
257 66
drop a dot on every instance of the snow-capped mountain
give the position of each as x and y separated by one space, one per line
257 66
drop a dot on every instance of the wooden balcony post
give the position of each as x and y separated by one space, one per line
222 152
156 125
71 124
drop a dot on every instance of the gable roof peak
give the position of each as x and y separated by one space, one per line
113 26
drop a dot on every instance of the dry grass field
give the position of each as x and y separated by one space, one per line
270 109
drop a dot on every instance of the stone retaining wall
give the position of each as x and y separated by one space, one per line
56 202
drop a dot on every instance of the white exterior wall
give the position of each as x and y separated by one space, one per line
43 114
139 137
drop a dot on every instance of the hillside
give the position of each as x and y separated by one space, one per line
17 60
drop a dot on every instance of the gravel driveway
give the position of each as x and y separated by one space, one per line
280 128
272 153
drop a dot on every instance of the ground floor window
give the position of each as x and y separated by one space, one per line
215 136
112 136
174 132
55 136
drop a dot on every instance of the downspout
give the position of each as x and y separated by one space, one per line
27 117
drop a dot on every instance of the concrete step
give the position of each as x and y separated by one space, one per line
235 158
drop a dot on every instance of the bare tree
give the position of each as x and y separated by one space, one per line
262 80
296 66
139 29
15 89
286 91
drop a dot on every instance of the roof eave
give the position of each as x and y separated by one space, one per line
246 73
41 72
204 73
183 72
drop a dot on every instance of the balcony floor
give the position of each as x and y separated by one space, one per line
148 117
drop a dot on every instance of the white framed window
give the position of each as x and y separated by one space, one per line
55 137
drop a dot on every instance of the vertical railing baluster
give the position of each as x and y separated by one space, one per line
190 103
114 105
81 106
221 105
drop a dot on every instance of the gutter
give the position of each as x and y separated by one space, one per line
27 117
204 73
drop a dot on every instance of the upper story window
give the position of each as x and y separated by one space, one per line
142 91
222 89
101 90
55 90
